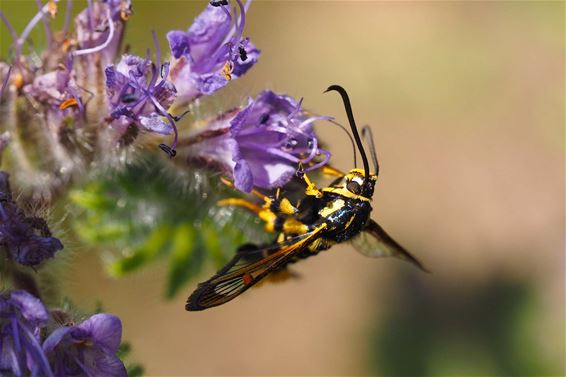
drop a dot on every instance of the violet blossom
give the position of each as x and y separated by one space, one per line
212 52
27 239
136 96
57 92
87 349
21 318
262 144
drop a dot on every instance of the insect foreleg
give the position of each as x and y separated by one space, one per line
311 189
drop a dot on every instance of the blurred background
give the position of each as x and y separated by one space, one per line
466 102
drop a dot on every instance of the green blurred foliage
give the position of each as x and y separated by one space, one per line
461 330
152 210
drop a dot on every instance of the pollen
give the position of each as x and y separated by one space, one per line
67 44
18 80
52 8
68 103
227 70
124 15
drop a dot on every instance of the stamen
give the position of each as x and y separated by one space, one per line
125 13
157 49
163 112
52 5
313 151
68 14
264 118
240 25
128 98
295 111
5 83
227 70
218 3
243 53
167 149
326 154
39 15
9 26
89 16
48 33
103 45
179 117
68 103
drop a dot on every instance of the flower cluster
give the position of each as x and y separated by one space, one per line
86 349
82 102
261 144
27 239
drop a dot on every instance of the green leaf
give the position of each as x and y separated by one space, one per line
148 250
186 258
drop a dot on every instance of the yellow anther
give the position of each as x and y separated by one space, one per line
227 70
68 103
52 8
18 80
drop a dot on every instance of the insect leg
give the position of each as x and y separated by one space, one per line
277 204
311 189
265 214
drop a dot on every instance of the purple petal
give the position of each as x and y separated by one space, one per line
105 364
241 67
179 43
207 85
208 31
243 178
106 330
156 123
55 338
30 307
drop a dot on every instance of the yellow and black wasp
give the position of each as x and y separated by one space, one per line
324 217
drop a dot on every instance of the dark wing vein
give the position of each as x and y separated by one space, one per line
239 275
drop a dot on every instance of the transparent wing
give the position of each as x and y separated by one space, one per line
373 241
241 274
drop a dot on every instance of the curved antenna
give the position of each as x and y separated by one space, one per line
351 140
368 138
350 114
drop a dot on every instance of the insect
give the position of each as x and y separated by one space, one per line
323 218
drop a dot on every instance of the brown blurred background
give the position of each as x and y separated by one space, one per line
466 101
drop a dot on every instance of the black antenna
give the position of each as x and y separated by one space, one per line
349 137
368 138
350 115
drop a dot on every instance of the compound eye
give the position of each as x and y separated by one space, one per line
354 187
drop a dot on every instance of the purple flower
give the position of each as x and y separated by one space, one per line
263 144
27 239
136 96
88 349
212 52
57 91
21 317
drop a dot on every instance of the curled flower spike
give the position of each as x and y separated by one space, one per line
21 318
87 349
212 52
263 144
136 96
28 240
